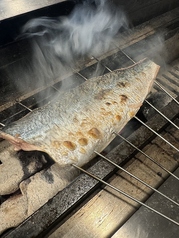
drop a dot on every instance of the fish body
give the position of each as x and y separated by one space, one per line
82 120
69 129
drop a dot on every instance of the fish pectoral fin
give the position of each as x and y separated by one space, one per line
18 143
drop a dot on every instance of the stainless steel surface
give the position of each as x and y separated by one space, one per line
11 8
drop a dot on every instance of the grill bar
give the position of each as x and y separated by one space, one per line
82 76
25 106
125 194
141 181
158 84
128 56
171 122
149 157
156 133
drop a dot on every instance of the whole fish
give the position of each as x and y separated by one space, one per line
83 119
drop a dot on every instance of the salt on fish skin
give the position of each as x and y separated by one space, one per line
82 120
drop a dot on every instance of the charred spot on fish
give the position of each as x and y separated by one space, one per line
95 133
69 145
101 95
83 141
74 158
64 153
123 98
118 117
55 144
122 84
143 74
132 114
79 134
47 176
70 134
75 120
107 113
82 150
84 123
108 103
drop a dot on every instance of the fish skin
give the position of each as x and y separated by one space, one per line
102 114
83 119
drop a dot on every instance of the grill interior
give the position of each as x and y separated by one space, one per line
88 207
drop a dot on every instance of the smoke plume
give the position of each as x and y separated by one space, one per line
58 43
87 30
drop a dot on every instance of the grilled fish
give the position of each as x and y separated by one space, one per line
83 119
70 129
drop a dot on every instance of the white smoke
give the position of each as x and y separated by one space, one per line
87 30
58 44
